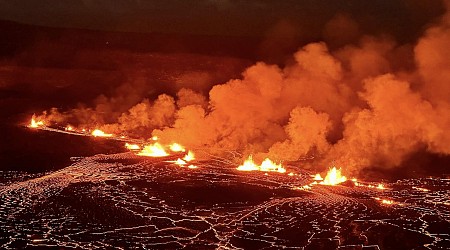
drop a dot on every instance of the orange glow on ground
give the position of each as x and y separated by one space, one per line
386 201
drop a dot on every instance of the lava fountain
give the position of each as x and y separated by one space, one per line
99 133
153 150
175 147
333 177
266 166
34 123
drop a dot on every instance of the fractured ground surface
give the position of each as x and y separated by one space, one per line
125 201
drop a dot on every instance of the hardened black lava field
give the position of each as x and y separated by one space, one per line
123 201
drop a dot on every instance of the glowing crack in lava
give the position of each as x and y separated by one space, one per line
387 201
34 123
153 150
333 177
99 133
266 166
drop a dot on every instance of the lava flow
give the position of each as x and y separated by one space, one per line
387 201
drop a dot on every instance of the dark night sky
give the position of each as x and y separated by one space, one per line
52 51
56 48
220 17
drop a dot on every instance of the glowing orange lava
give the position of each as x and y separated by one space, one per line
334 177
304 187
175 147
421 189
386 201
182 162
132 146
189 156
153 150
99 133
34 123
317 177
248 165
266 166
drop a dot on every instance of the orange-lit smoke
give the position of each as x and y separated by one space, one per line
358 106
99 133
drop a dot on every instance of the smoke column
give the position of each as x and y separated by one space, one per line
372 103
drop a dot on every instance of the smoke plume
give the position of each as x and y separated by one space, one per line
372 103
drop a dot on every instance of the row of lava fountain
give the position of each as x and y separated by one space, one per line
333 176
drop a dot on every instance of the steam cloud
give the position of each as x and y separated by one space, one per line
370 104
